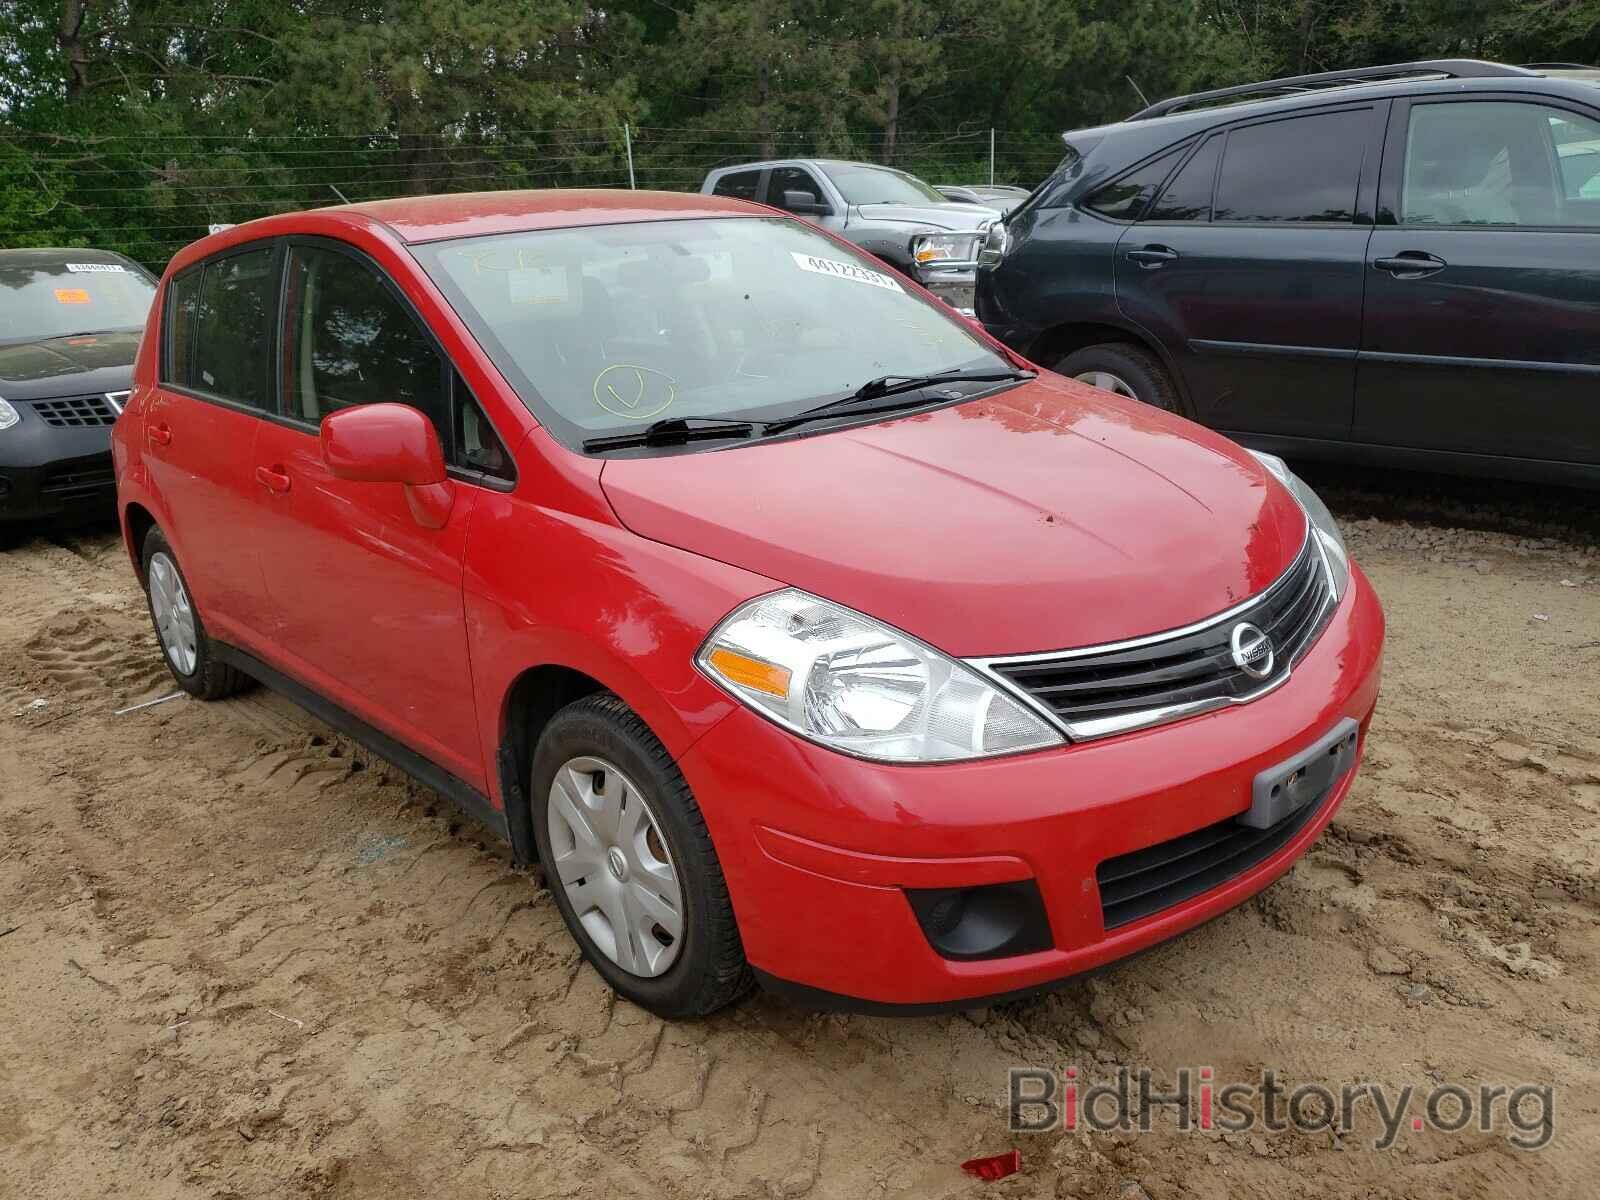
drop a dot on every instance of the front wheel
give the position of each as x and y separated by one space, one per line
631 864
1125 369
188 650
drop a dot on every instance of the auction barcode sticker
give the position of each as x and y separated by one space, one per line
95 268
842 270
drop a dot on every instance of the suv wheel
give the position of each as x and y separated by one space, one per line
180 631
1125 369
630 862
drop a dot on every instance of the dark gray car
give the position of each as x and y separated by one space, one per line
70 324
1397 265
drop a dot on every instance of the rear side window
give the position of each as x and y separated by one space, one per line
1301 169
348 340
1188 196
183 297
741 184
1126 198
233 329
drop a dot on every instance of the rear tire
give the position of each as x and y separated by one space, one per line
189 652
1124 370
615 782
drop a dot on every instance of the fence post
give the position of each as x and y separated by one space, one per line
627 138
991 156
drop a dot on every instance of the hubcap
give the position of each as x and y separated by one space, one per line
1107 382
612 864
175 624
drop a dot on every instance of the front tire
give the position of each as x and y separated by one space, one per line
630 862
190 654
1125 370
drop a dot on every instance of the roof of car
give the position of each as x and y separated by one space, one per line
468 214
54 255
810 162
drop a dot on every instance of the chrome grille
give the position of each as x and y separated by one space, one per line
78 411
1099 691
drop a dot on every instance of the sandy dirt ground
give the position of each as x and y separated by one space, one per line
241 958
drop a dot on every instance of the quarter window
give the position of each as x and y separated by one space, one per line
1301 169
1188 196
349 340
1501 163
183 297
1126 199
742 184
231 357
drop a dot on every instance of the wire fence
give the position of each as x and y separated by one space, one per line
149 195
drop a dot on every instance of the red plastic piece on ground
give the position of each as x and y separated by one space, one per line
994 1166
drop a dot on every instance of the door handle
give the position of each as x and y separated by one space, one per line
159 435
274 479
1410 264
1153 257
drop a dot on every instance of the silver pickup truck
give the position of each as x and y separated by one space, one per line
888 213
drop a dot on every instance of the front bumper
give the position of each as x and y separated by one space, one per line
954 283
47 471
819 849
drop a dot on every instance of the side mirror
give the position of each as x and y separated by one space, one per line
390 443
805 203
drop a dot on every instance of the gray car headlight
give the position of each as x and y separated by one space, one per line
853 684
938 249
8 415
1323 527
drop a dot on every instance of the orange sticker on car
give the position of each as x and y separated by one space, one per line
71 296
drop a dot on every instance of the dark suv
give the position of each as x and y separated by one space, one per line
1398 264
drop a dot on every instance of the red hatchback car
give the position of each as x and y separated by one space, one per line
801 631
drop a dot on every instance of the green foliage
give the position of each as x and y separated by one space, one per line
134 124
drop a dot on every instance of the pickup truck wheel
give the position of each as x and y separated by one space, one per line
1125 369
179 629
630 862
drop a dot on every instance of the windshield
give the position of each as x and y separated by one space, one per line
605 328
57 299
874 185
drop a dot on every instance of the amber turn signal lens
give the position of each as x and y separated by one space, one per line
750 672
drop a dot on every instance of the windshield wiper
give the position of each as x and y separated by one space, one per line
673 431
891 385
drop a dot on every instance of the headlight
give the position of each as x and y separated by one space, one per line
1323 527
850 683
8 415
936 249
995 245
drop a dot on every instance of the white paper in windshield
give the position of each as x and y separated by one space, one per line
842 270
539 285
96 268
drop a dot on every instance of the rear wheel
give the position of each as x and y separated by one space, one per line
1124 369
188 650
630 862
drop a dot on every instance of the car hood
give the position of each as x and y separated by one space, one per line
1048 516
955 215
67 366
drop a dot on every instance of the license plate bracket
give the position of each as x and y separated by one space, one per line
1284 789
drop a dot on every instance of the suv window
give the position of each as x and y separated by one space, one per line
233 331
349 340
1125 199
1188 196
742 184
1500 163
1300 169
791 179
